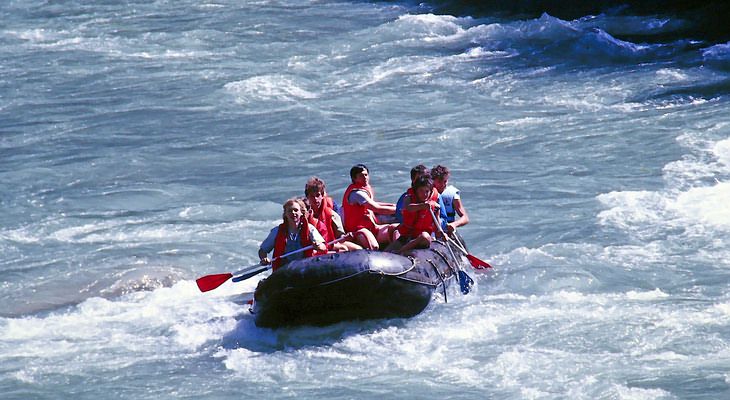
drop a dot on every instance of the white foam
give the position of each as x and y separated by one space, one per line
523 122
430 25
104 335
691 201
655 294
634 393
268 87
33 35
628 209
709 206
718 52
671 75
417 66
721 150
114 46
129 231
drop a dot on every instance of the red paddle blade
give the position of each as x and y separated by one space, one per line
210 282
477 263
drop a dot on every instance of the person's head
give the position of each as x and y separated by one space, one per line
359 174
422 188
315 191
295 211
417 171
440 175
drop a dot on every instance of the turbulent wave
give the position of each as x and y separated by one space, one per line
692 209
588 41
146 145
701 20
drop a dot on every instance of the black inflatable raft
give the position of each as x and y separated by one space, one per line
362 284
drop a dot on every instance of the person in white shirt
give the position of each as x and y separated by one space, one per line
451 198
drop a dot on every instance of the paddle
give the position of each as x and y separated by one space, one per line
210 282
465 281
476 263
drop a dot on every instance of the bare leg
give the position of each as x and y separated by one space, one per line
385 233
366 239
421 241
338 247
350 246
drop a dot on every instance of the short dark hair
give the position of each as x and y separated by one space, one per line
422 180
357 169
314 185
440 172
419 169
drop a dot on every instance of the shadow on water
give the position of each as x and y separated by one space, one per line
53 295
705 20
266 340
698 91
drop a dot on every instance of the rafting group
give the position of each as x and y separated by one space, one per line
325 258
314 224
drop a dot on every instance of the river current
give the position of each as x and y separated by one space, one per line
146 143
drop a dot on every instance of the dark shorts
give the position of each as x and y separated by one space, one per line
404 240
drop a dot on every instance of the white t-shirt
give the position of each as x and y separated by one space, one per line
450 194
358 197
337 221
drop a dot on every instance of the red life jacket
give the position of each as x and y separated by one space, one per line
323 221
280 243
321 228
415 222
357 216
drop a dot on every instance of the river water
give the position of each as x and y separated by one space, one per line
146 143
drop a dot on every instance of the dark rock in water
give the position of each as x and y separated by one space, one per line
705 20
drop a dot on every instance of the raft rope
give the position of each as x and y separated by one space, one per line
443 256
342 279
401 275
443 284
413 265
397 274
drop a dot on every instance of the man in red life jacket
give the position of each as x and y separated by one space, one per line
323 216
419 207
360 206
293 234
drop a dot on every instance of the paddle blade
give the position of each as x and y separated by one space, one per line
210 282
477 263
465 282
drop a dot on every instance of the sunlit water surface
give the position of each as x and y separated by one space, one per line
145 144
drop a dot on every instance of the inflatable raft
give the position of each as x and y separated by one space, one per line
356 285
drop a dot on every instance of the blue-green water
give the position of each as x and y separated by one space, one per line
145 144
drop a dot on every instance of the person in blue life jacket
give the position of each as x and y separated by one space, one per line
451 197
416 172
